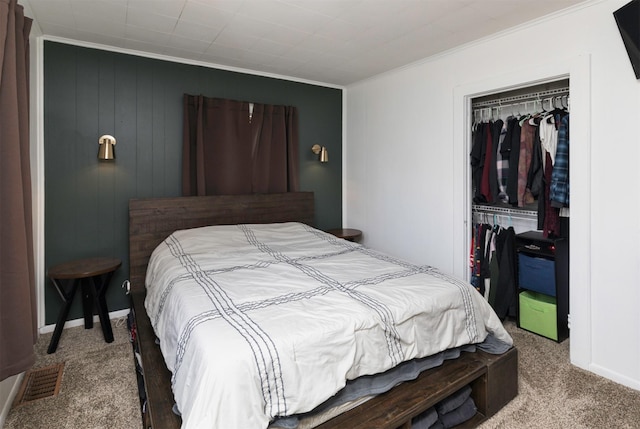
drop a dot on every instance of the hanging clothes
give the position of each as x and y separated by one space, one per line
505 304
477 160
549 136
551 223
502 163
536 169
494 266
527 138
512 140
480 269
494 186
559 189
485 182
509 158
554 164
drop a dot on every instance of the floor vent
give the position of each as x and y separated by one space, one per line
40 383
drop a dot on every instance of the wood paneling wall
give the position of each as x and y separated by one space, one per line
138 100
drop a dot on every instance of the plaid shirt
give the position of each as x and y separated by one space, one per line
559 187
502 163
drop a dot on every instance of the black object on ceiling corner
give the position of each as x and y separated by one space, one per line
628 20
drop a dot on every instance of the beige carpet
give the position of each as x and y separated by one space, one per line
555 394
99 388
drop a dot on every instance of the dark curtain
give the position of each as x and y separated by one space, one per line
234 147
18 315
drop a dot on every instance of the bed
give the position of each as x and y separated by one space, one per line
249 363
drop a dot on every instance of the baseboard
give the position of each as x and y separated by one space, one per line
8 394
80 322
614 376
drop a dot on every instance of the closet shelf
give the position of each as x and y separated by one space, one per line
520 98
512 212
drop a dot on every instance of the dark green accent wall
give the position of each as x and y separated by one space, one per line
90 92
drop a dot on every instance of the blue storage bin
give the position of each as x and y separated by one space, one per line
537 274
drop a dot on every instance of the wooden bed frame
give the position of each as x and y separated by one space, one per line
494 379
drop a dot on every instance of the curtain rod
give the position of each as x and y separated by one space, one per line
521 98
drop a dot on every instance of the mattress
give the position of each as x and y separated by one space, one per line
263 321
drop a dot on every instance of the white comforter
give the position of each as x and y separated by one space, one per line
257 321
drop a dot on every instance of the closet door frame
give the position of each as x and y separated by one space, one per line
578 70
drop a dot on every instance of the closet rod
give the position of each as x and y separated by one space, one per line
521 98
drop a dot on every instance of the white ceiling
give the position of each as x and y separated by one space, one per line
335 42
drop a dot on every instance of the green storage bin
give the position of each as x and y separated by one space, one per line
538 313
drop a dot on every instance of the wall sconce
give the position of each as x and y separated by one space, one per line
322 151
106 149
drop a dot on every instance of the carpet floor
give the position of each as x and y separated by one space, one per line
552 393
99 388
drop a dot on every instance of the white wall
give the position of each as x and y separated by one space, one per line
406 174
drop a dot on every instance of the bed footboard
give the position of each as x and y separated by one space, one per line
493 380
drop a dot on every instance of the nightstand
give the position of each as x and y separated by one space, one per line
348 234
93 275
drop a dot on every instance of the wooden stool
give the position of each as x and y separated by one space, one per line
94 275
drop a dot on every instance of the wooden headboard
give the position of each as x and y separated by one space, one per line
154 219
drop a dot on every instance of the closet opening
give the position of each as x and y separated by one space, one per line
519 190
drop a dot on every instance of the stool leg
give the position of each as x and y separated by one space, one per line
101 303
64 312
87 304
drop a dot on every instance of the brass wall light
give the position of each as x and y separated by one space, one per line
322 151
106 149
